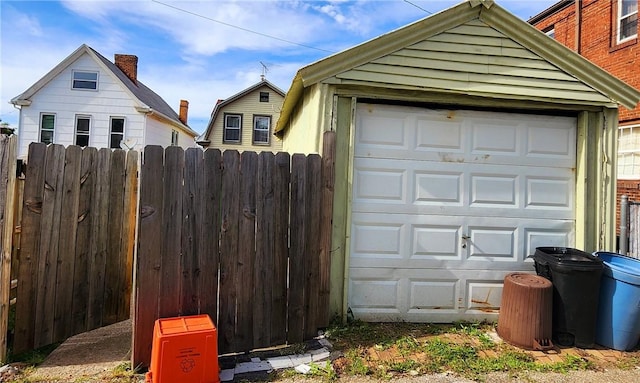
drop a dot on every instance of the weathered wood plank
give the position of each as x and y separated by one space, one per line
246 250
326 228
191 210
230 206
209 232
298 230
30 249
281 191
82 278
113 278
99 237
171 232
312 245
128 232
8 195
63 318
49 244
147 267
265 247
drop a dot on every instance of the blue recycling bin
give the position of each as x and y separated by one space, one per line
618 323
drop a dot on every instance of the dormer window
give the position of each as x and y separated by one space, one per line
85 80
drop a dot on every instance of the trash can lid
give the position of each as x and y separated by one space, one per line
620 267
567 256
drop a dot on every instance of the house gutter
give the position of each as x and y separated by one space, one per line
150 111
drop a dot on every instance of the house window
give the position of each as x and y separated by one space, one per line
117 132
82 130
232 125
550 31
629 152
85 80
261 129
264 96
174 138
47 125
627 20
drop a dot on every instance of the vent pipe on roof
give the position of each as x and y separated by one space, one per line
129 65
184 111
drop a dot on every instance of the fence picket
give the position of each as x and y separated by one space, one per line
246 251
8 198
281 188
63 323
128 233
81 279
209 233
190 214
49 241
298 231
324 268
265 244
99 238
147 268
29 247
229 249
312 245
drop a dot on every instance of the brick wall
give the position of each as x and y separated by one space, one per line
598 44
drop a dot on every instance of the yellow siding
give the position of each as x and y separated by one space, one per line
472 59
248 106
308 122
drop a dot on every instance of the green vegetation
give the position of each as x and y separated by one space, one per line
416 349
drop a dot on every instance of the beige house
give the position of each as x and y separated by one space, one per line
464 141
245 120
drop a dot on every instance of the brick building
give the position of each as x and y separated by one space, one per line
606 33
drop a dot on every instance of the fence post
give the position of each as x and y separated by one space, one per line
7 196
624 225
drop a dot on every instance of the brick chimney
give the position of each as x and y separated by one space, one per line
184 111
129 65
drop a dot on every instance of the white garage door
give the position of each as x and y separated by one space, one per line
445 203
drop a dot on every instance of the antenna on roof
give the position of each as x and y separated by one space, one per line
265 69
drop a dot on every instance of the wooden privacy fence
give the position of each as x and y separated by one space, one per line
7 197
76 242
244 238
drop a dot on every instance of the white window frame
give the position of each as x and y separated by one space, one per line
81 80
87 133
634 152
255 129
52 130
226 127
112 133
174 137
622 17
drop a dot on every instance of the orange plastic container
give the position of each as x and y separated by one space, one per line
185 349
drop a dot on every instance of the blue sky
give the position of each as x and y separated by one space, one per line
200 51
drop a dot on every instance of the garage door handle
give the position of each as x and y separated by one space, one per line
465 238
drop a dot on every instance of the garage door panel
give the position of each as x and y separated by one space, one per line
405 187
415 241
425 295
448 202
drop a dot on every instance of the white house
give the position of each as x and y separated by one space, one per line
87 100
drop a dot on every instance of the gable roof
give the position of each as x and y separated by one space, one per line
148 100
469 12
222 103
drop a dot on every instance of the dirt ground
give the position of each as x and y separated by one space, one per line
95 356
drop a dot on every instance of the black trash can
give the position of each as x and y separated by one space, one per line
575 275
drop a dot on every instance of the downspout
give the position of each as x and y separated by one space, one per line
578 25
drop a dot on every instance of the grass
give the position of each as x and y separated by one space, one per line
418 349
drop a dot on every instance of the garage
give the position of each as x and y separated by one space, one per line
469 192
463 141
